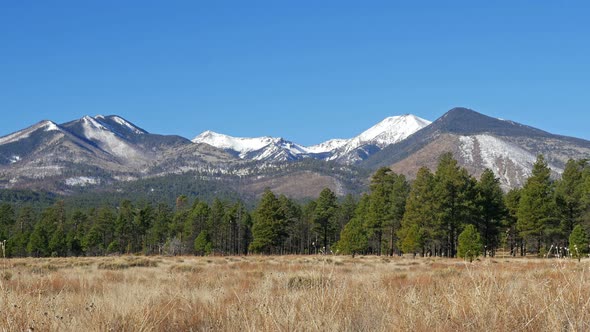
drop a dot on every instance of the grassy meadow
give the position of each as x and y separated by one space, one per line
293 293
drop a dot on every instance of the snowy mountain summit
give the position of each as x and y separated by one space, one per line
98 150
254 148
389 131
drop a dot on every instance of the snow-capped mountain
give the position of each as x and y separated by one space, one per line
478 142
389 131
45 125
92 151
90 148
257 148
113 140
328 146
392 130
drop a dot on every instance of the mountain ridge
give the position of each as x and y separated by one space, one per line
105 150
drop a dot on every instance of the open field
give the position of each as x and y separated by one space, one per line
293 293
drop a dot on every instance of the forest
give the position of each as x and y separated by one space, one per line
439 213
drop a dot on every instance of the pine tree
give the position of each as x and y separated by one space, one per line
202 244
379 213
142 222
413 240
568 195
21 232
397 202
344 213
455 200
292 212
197 221
159 231
124 226
470 245
578 243
324 214
101 233
7 219
536 212
419 227
509 224
75 230
268 229
491 209
353 238
215 224
57 244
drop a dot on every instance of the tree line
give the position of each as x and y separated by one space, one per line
433 215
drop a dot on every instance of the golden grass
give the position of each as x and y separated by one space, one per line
293 293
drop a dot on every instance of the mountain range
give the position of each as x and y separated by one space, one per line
107 152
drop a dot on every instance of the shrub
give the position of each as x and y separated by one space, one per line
470 245
578 243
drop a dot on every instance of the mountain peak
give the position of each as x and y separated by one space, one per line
393 129
239 144
465 121
123 123
44 125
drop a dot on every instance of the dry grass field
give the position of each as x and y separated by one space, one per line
293 293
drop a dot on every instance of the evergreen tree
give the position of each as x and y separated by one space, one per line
568 195
268 229
57 244
536 212
413 239
38 241
7 219
101 233
203 244
75 230
292 212
397 203
380 213
509 224
125 226
142 222
353 238
324 215
455 200
16 245
344 213
470 245
158 233
578 243
197 221
308 241
420 228
245 228
491 210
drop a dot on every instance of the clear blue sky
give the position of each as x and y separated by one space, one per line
304 70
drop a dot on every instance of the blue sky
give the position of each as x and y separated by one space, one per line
304 70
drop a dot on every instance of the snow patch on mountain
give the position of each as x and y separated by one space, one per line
127 125
467 147
328 146
106 139
81 181
508 161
